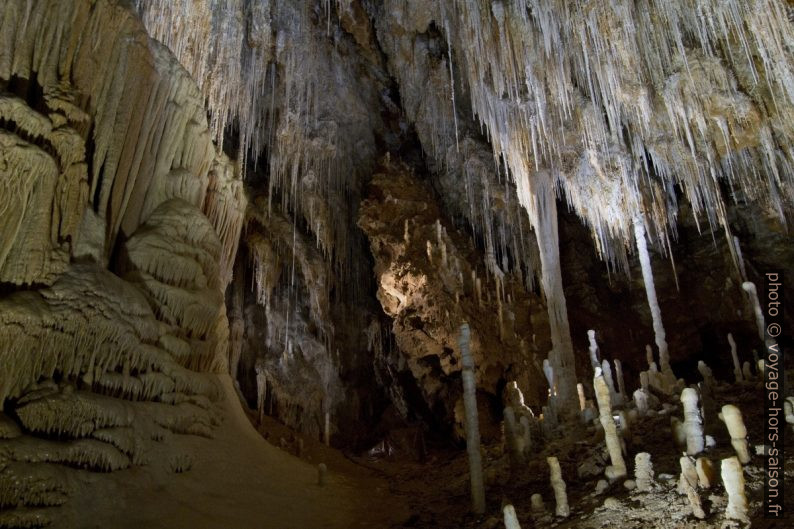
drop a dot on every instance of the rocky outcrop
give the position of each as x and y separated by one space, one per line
120 223
430 280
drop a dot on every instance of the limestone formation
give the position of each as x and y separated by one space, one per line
693 422
706 373
558 485
643 472
593 349
537 504
732 417
510 518
733 479
618 467
752 293
621 382
788 406
707 474
472 424
737 368
687 485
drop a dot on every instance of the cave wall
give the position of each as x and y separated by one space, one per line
120 225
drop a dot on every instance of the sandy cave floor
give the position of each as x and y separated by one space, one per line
237 481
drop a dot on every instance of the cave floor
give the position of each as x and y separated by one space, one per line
237 481
438 489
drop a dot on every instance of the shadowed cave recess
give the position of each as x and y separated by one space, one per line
395 263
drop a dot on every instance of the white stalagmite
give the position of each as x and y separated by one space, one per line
618 467
687 484
511 520
788 407
472 422
752 293
606 369
542 209
733 479
643 471
732 417
737 368
593 349
641 402
653 303
693 422
706 373
558 485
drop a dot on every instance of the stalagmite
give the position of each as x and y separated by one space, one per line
510 518
621 382
327 429
536 500
582 399
679 433
733 479
687 485
643 471
788 407
322 472
512 438
558 485
737 368
472 423
693 422
614 397
618 467
261 392
706 373
752 293
526 436
641 402
747 371
542 209
593 349
732 417
656 312
706 472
